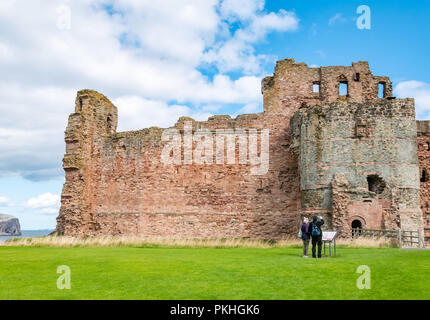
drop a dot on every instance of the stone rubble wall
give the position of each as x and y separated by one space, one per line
116 183
423 141
358 140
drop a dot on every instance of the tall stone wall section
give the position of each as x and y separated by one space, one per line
423 141
345 148
117 184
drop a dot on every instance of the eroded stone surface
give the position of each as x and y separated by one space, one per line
358 162
117 184
424 158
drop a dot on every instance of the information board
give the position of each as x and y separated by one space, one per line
329 235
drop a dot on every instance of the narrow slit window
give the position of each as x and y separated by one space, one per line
381 90
424 176
343 89
316 87
357 77
109 124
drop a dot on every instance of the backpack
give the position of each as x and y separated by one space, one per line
316 232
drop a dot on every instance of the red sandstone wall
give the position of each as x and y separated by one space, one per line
424 158
116 184
195 200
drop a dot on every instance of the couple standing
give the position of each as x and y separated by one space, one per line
312 230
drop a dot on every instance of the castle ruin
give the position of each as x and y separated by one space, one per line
357 158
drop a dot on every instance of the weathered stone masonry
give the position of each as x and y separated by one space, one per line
423 128
345 148
351 158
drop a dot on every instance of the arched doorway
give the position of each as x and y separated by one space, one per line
356 226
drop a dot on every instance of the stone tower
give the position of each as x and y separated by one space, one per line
348 155
357 152
94 119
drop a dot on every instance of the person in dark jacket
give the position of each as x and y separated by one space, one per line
316 234
306 235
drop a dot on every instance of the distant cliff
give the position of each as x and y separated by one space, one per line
9 225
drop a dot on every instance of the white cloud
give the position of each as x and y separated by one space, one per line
46 203
211 107
418 90
4 201
146 56
143 113
248 108
241 9
6 52
338 17
237 52
31 136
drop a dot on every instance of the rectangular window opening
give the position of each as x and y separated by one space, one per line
343 89
316 87
381 90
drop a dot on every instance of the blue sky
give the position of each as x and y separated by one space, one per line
159 60
396 45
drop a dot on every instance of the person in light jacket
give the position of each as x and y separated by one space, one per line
305 236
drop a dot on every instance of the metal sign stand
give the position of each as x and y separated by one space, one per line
330 238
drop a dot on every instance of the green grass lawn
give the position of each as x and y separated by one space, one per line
211 273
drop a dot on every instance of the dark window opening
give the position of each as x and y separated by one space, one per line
109 124
343 88
424 176
428 146
80 105
357 77
381 90
356 227
316 87
356 224
375 184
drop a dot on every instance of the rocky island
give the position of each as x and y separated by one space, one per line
9 225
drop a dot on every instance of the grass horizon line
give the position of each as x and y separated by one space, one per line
123 241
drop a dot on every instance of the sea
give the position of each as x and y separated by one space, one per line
28 234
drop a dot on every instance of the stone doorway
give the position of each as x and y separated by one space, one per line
357 227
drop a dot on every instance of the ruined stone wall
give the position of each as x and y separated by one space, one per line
344 148
291 86
423 141
116 182
95 116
